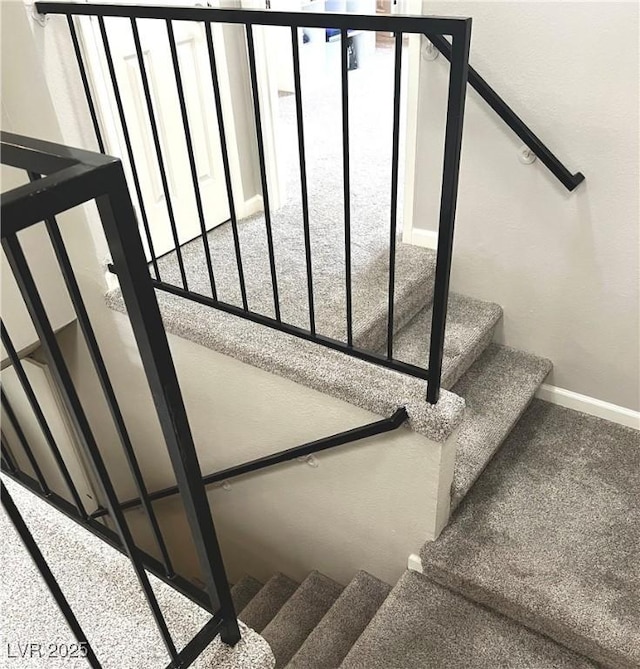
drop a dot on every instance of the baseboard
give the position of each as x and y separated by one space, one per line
426 238
251 206
589 405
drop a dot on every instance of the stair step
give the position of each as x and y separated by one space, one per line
414 280
496 389
470 326
244 591
299 615
335 634
549 534
422 624
261 610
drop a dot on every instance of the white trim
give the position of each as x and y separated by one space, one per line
589 405
425 238
414 563
249 207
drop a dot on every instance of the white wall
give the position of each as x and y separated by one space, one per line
564 266
33 240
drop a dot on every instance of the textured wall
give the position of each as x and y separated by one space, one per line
565 267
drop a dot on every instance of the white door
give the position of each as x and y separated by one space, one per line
197 85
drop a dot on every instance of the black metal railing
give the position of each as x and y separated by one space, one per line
73 177
457 29
451 36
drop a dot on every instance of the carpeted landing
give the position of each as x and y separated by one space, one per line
550 534
539 569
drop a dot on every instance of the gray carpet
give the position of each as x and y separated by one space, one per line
470 326
103 591
496 390
335 634
299 615
374 388
550 533
370 174
261 610
244 591
422 624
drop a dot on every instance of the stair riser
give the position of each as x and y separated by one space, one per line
409 300
455 373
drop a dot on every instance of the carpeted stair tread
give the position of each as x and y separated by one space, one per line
244 591
470 326
549 534
422 624
264 606
376 389
496 390
299 615
344 622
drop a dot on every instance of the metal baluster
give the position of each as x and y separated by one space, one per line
7 456
158 148
37 312
105 383
303 174
450 177
346 179
192 160
36 555
13 419
394 191
40 417
225 162
85 82
263 169
127 141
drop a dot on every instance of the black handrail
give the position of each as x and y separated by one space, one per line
371 429
504 111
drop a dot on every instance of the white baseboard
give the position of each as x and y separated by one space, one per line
426 238
589 405
251 206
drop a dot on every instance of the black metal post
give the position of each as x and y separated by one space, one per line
225 163
394 191
191 156
24 442
158 148
303 174
127 141
85 82
117 217
251 50
448 199
346 181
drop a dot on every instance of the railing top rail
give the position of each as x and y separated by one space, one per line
440 25
71 173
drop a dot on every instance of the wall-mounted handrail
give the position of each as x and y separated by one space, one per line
310 448
504 111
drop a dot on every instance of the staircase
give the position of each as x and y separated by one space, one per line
318 624
539 568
